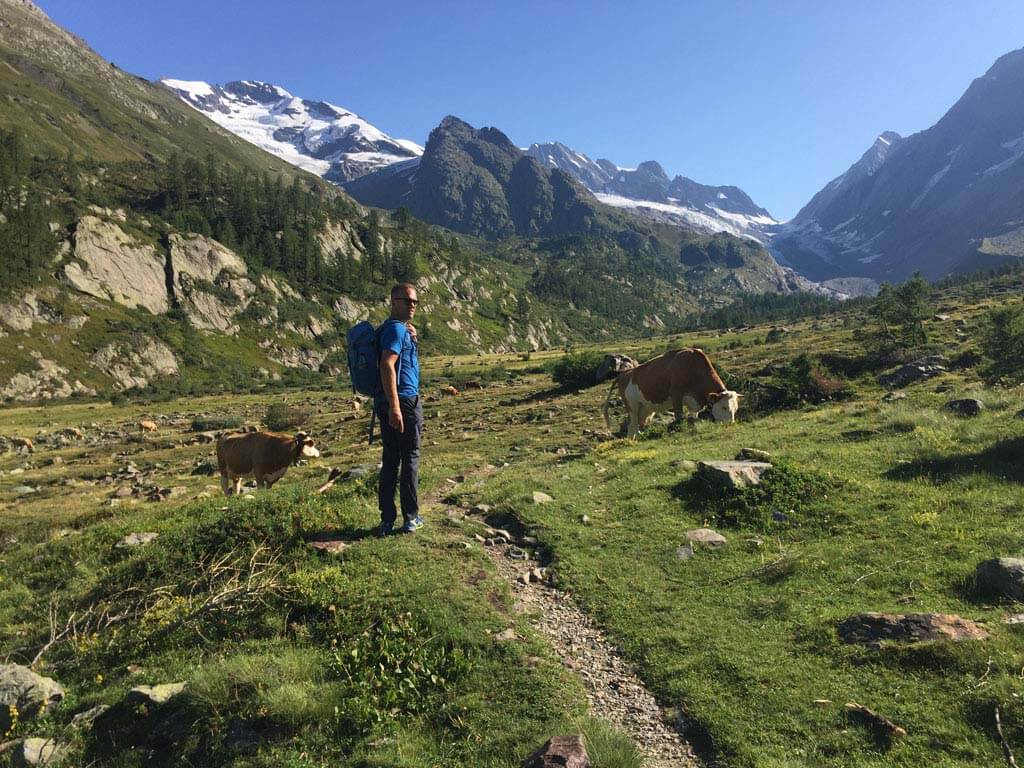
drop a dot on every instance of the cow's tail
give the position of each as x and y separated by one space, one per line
608 402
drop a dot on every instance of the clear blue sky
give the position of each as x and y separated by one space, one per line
776 97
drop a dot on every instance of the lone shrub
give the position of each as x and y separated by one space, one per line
215 423
1003 343
280 417
578 369
900 312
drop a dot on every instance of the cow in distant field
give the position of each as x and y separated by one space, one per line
147 426
683 377
264 455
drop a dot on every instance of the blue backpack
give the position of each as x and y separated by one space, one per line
364 358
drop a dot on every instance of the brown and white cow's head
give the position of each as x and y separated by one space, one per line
304 447
724 405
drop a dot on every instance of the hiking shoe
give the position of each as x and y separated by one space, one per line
412 525
385 529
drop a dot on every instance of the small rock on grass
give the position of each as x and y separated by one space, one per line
706 536
1002 576
872 628
36 753
137 539
684 552
560 752
32 694
539 497
965 406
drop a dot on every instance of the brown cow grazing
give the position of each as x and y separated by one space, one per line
264 455
449 390
683 377
147 426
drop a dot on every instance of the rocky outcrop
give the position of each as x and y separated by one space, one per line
564 751
136 362
210 282
339 238
25 311
733 475
48 382
110 264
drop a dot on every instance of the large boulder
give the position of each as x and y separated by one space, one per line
732 475
26 310
25 692
872 628
613 365
1002 576
110 264
136 362
560 752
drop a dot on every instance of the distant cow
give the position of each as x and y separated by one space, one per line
147 426
264 455
678 378
449 390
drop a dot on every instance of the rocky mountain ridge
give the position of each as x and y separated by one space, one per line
944 200
648 191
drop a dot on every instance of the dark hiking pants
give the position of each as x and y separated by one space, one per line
401 452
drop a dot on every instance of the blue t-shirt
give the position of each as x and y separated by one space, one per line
393 335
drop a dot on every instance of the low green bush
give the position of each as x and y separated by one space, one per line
280 417
577 369
215 423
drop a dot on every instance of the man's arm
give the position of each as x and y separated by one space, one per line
389 381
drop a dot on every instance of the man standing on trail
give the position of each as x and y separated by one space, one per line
400 412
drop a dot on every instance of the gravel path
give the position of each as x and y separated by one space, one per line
614 691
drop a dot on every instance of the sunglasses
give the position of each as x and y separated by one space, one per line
407 300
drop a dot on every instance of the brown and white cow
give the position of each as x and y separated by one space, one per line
683 377
264 455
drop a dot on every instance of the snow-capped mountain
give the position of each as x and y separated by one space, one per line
947 199
647 190
325 139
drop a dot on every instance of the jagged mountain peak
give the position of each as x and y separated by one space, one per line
320 137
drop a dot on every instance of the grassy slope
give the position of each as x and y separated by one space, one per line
745 650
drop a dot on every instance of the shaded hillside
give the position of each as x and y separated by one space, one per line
944 200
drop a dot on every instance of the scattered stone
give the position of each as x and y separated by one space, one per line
585 519
685 552
330 546
966 406
481 509
24 490
1017 618
361 470
560 752
523 578
205 467
872 628
892 397
940 317
507 635
920 370
753 454
539 497
32 694
137 539
754 543
142 718
780 517
35 752
733 475
83 720
1002 576
707 537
